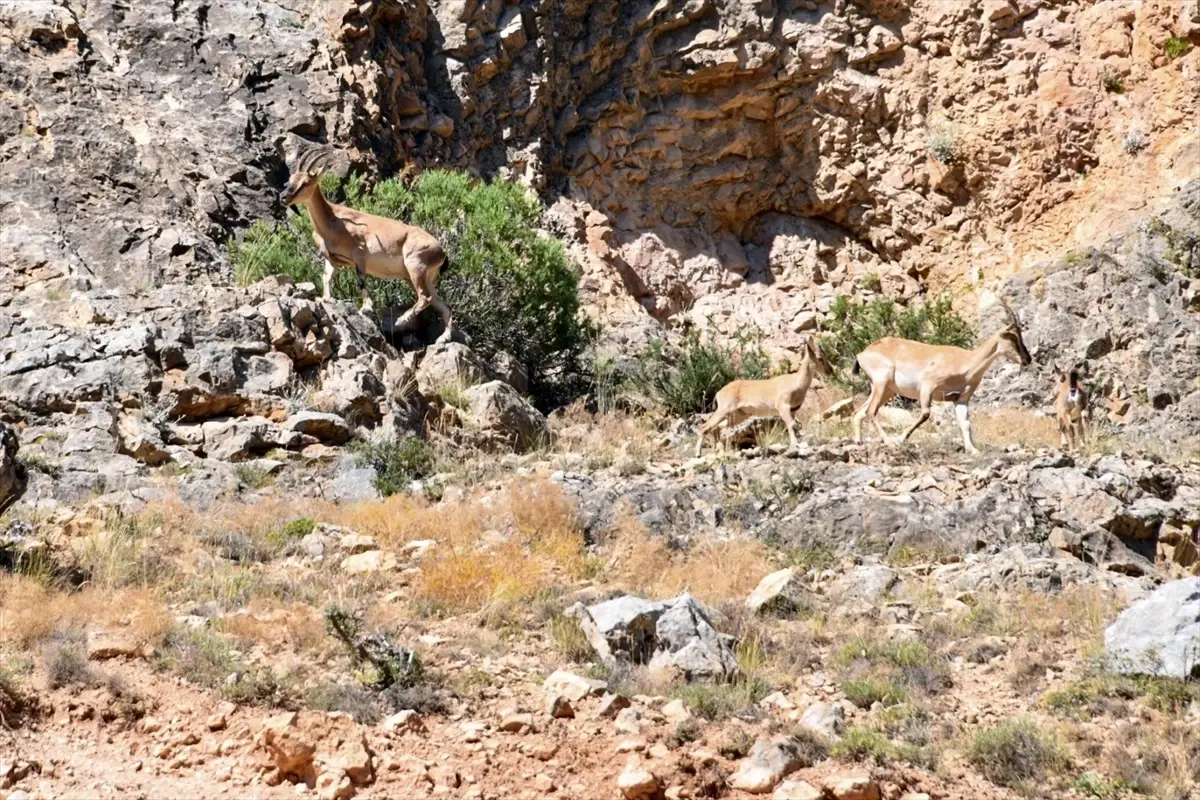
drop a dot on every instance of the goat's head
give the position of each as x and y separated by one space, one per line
1012 343
306 173
1071 375
812 349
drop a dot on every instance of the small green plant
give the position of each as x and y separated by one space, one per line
869 691
42 464
397 462
683 379
1176 47
736 745
1112 81
390 664
15 705
1134 142
299 528
206 659
942 146
1091 784
686 732
871 282
1016 753
720 701
860 744
352 699
569 639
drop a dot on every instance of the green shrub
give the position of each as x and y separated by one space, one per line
66 664
397 462
1113 82
736 745
860 744
1175 47
1016 753
684 378
720 701
851 326
299 528
509 288
867 692
686 732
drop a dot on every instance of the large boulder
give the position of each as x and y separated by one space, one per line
502 416
675 636
13 478
769 762
449 365
1159 634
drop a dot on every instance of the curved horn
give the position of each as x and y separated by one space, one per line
1012 316
305 159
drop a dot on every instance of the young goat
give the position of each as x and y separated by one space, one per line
928 373
370 245
1071 404
738 401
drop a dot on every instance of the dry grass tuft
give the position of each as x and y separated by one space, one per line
31 613
713 571
1003 426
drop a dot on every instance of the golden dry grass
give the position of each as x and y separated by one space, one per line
30 612
713 571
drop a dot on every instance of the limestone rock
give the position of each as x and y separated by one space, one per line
796 790
503 416
328 428
1159 634
450 365
636 782
852 786
769 761
778 594
573 687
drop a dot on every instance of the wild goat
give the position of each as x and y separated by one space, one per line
1071 404
929 373
738 401
370 245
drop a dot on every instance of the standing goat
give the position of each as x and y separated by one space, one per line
738 401
1071 404
370 245
929 373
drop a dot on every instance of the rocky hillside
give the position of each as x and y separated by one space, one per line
717 156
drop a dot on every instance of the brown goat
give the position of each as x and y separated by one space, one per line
1071 404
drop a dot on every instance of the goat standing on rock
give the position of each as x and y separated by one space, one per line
370 245
929 373
738 401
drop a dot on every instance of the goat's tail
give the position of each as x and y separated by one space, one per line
855 369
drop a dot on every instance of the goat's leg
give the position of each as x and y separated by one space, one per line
926 402
878 402
327 287
1064 430
784 409
864 411
361 272
963 413
711 424
409 317
442 308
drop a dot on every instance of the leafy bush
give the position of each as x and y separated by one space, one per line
299 528
684 378
867 692
205 658
66 665
1016 753
860 744
851 326
686 731
397 462
510 289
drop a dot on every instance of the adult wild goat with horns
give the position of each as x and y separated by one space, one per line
370 245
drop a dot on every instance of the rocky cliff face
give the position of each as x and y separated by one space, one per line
768 153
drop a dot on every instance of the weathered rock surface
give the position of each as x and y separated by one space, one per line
502 416
768 762
1159 634
673 636
779 594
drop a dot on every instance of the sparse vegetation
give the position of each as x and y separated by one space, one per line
390 664
1134 142
1016 753
686 732
720 701
942 145
252 476
568 639
737 744
65 664
510 288
1112 81
206 659
860 744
